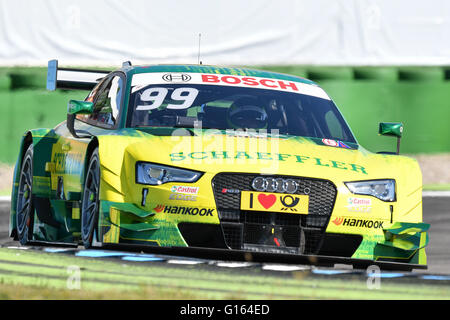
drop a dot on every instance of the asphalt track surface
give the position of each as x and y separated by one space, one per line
436 212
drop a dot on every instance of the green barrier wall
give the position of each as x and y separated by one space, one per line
423 108
418 97
21 110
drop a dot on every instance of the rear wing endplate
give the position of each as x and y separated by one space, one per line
74 79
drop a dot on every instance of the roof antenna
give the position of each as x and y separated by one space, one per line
199 40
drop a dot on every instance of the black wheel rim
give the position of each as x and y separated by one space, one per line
90 202
24 203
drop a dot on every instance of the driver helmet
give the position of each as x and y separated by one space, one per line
247 113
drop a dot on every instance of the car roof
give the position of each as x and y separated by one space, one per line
186 68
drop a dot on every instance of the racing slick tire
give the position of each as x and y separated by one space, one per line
24 206
90 201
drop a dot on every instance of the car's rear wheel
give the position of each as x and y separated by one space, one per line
90 201
24 206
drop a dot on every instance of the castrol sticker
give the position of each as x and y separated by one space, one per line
185 189
359 204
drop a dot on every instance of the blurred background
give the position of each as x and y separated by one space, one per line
379 60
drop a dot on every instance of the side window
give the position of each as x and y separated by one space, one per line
107 97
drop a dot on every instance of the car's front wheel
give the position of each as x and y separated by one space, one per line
90 201
24 207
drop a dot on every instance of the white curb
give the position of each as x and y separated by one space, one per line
432 194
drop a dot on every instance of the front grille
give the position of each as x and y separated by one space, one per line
247 229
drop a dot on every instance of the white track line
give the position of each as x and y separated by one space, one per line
5 198
234 264
431 194
283 267
180 261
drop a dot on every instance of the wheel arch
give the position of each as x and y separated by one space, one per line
93 144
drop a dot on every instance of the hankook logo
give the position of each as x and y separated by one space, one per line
360 223
275 185
176 77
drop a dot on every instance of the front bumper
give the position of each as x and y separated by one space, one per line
214 220
126 225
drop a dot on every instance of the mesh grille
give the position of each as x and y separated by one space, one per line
246 227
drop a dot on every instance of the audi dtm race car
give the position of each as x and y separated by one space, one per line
221 160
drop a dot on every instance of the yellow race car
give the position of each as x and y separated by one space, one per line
222 159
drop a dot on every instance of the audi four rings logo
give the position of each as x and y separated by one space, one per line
176 77
274 185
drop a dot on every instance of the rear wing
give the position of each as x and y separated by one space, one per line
75 79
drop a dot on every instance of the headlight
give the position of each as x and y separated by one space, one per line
381 189
149 173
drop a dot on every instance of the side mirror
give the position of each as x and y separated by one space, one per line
80 107
75 107
392 129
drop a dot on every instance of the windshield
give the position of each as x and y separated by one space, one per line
233 107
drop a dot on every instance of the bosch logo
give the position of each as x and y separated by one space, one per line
176 77
274 185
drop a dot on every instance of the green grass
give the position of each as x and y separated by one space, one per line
26 274
437 187
5 192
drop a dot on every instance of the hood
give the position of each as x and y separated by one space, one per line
215 152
